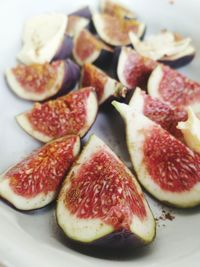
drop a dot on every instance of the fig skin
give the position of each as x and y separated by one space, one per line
84 12
179 62
65 49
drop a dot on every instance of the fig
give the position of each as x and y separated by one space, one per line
132 69
114 30
44 39
174 88
84 12
166 47
87 48
38 82
76 24
191 130
73 113
35 181
113 8
161 113
101 203
167 168
105 86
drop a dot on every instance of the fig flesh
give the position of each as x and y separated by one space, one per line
38 82
73 113
35 181
174 88
100 199
161 113
133 69
44 39
105 86
166 47
114 30
113 8
166 167
87 48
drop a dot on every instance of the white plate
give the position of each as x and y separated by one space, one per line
33 239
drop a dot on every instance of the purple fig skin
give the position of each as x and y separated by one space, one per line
84 12
179 62
115 60
104 60
65 49
71 77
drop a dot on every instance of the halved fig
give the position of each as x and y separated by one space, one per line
114 30
38 82
44 39
70 114
132 69
105 86
174 88
35 181
113 8
87 48
161 113
166 167
76 24
84 12
101 203
191 130
166 47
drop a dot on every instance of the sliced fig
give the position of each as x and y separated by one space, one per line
159 112
70 114
44 39
35 181
76 24
38 82
100 200
84 12
174 88
132 69
166 47
113 8
87 48
114 30
105 86
191 130
166 167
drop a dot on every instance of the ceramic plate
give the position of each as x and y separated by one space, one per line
33 239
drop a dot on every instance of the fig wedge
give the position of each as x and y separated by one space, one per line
174 88
42 43
38 82
88 49
70 114
35 181
167 168
101 203
105 86
114 30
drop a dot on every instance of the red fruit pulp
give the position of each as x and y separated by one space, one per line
44 169
103 189
37 78
172 166
65 115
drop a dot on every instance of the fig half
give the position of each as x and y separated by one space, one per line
167 168
44 39
35 181
73 113
105 86
101 203
38 82
174 88
113 8
114 30
88 49
133 69
166 47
